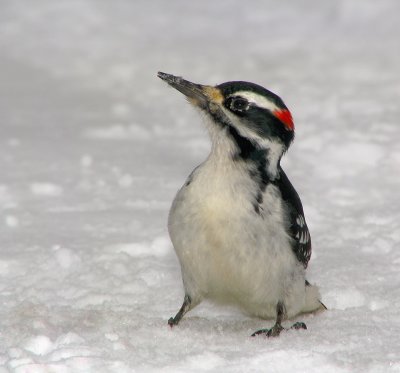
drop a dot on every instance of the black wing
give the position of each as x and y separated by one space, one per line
298 230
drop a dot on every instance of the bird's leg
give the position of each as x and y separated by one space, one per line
186 306
277 328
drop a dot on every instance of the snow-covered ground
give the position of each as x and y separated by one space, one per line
94 147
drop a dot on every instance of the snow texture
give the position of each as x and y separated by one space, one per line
94 147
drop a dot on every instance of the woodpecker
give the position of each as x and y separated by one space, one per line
237 225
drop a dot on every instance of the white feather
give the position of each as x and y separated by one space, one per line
227 252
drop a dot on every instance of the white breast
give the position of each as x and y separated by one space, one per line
227 251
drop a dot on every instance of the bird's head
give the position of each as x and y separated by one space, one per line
254 117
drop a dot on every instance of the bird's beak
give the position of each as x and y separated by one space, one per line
203 96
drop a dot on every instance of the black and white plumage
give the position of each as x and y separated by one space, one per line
301 244
237 224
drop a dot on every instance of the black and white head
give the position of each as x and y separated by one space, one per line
253 117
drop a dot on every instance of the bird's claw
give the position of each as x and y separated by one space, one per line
299 325
171 322
275 331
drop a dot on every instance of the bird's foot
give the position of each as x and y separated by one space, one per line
299 325
186 306
275 331
172 322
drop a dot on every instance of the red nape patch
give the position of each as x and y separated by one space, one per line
286 118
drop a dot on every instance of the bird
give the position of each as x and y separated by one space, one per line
237 224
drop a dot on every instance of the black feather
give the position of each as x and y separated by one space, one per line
298 230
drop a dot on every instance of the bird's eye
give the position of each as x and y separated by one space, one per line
238 104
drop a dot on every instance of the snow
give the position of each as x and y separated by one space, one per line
95 146
46 189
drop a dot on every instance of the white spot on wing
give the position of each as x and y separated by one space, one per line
300 221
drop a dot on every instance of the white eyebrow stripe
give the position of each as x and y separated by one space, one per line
256 99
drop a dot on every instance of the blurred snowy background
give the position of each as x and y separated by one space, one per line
94 147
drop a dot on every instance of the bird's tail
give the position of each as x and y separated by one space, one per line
312 299
323 307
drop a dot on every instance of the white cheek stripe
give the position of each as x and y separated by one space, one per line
257 99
